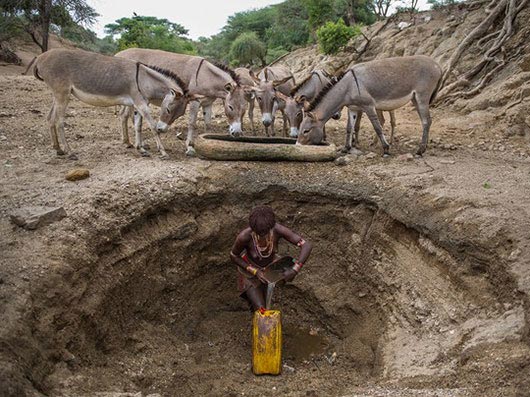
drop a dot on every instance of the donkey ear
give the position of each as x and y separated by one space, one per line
174 93
282 81
254 77
300 99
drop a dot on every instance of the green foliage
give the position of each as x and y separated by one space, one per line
435 4
247 49
333 36
319 12
87 39
285 26
35 17
150 32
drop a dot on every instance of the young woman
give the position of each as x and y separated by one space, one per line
255 248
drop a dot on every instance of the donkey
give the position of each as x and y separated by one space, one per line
101 80
202 79
307 90
384 84
270 80
300 95
246 77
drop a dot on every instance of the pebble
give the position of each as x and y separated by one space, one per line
371 156
77 174
405 157
447 161
344 160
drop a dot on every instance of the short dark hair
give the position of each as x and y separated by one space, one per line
262 219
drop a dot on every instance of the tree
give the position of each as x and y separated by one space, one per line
319 12
36 16
441 3
333 36
381 7
248 48
150 32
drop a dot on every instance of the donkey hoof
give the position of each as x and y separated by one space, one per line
145 153
164 156
190 151
146 146
60 152
73 156
128 145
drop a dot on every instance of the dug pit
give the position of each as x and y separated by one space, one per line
152 306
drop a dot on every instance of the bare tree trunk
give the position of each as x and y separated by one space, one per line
45 9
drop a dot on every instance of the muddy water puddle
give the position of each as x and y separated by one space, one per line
301 344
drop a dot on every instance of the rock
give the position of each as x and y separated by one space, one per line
405 157
288 368
344 160
34 217
514 254
447 161
77 174
371 156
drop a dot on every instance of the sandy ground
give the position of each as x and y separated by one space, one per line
468 195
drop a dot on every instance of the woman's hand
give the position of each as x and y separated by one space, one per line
261 276
289 275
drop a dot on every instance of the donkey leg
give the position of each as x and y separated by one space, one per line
357 126
285 133
372 116
61 104
192 124
349 126
251 115
139 143
382 121
143 110
125 113
207 113
422 106
53 130
392 126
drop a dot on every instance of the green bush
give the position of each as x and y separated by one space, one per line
332 36
247 48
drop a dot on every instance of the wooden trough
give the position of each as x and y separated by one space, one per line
225 147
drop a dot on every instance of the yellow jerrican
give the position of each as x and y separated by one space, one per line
267 343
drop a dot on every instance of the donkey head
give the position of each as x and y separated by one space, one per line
235 107
311 130
293 112
173 106
267 99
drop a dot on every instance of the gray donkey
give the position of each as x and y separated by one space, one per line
384 84
202 79
307 90
270 80
246 77
101 80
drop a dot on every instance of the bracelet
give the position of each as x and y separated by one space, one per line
297 266
251 269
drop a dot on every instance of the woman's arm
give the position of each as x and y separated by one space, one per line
295 239
244 262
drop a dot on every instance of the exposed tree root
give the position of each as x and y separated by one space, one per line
491 62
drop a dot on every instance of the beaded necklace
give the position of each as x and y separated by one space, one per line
267 251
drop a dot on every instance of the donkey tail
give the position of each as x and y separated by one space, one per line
36 73
29 65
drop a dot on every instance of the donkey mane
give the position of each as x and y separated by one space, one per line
314 103
231 72
169 74
301 84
